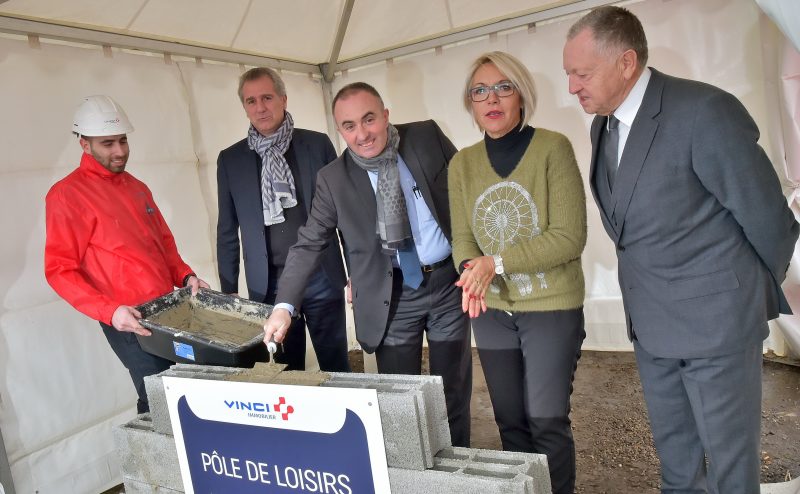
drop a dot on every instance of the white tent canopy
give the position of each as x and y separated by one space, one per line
174 64
303 35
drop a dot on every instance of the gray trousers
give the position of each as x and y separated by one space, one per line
705 409
433 308
529 360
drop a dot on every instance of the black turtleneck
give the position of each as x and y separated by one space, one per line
506 151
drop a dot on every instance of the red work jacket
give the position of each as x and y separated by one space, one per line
107 243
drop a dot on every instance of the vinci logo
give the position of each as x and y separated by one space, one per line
261 409
286 411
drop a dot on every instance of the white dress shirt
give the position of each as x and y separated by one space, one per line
626 112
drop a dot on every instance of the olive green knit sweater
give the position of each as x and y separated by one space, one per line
535 219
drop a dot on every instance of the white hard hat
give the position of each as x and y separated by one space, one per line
100 115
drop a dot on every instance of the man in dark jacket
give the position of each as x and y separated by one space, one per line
387 195
703 237
265 184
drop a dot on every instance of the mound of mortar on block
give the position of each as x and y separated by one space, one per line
210 328
276 374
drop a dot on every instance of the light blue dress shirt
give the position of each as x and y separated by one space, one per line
432 246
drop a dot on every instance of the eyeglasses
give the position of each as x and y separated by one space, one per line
501 89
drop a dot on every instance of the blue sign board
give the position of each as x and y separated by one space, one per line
263 438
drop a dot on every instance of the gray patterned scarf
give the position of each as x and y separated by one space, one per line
393 226
277 183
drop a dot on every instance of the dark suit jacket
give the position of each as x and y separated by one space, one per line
344 199
240 209
703 232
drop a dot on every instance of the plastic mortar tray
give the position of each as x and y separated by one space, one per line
210 328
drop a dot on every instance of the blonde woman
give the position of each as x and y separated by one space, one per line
518 214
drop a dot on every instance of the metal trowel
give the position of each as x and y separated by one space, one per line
272 347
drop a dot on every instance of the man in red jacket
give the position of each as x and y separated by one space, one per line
108 248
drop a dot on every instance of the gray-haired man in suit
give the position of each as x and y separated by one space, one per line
703 236
387 195
265 184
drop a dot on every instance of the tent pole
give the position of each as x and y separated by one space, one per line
6 482
327 99
54 30
568 8
329 68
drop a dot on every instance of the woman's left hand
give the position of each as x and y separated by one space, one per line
472 306
474 281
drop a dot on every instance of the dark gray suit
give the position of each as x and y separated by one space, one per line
240 210
704 237
345 199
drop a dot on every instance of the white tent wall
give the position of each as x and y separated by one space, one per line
716 41
61 388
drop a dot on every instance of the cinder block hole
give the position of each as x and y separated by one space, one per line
445 468
140 427
389 388
180 373
188 367
451 455
405 382
207 369
486 473
340 384
495 460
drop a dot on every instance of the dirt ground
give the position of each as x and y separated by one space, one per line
613 443
612 435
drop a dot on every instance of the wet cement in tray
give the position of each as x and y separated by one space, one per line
220 327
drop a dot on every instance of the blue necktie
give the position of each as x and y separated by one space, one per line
409 264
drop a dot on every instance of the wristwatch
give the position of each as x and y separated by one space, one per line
498 264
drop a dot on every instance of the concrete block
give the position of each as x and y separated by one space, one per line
205 369
530 464
149 462
157 399
413 415
405 431
476 471
435 405
135 487
147 456
413 410
462 481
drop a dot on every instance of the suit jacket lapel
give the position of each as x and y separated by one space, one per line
248 180
304 173
637 147
362 188
414 164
